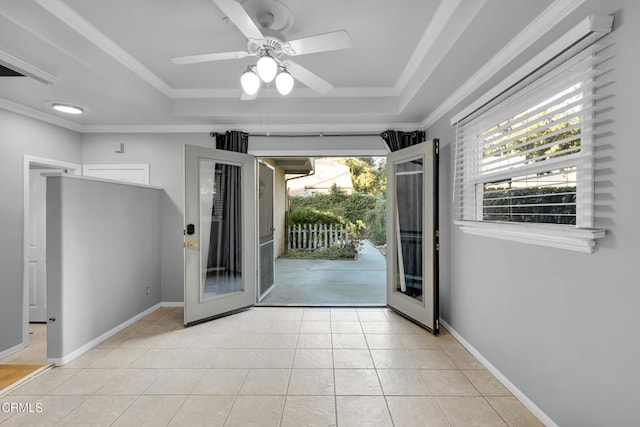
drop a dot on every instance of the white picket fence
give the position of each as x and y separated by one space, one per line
317 236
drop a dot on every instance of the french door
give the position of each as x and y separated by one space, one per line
412 233
220 232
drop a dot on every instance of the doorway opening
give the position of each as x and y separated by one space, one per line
412 237
322 229
34 319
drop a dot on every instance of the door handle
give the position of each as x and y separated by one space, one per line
192 245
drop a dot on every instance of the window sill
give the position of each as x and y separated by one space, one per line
562 237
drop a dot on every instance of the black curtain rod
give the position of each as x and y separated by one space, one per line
302 135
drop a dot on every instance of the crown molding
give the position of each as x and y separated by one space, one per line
67 15
549 18
23 67
438 23
355 92
448 16
463 18
255 128
204 128
39 115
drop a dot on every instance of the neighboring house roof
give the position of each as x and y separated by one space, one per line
327 172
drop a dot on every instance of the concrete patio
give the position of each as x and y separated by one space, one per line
325 282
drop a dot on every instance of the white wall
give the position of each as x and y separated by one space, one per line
19 136
562 326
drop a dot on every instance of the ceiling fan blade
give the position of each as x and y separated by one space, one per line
236 14
206 57
321 43
308 78
247 97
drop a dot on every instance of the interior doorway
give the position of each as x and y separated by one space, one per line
34 322
322 211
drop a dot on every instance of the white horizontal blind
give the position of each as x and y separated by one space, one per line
529 158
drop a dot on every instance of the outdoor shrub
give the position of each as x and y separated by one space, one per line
555 205
308 215
356 206
352 207
337 251
376 220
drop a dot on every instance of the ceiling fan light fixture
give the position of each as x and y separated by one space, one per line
267 68
250 82
284 83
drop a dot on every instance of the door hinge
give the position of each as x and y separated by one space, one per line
437 233
437 246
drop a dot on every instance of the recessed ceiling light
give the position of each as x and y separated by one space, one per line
66 108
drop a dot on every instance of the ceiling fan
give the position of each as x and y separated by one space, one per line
270 46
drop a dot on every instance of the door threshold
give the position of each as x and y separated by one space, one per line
16 376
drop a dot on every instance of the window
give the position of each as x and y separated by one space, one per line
528 159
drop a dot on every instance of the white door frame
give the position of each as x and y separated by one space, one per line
260 162
28 162
424 311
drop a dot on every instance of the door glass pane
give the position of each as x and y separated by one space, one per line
409 197
220 228
265 205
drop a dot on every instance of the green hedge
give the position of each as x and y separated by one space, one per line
376 221
352 207
549 205
308 215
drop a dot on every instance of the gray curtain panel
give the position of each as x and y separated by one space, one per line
231 186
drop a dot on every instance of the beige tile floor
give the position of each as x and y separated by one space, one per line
272 367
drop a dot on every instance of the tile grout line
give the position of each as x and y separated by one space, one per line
333 370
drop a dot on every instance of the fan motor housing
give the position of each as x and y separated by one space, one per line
273 43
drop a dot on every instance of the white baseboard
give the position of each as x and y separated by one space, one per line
91 344
535 410
172 304
12 350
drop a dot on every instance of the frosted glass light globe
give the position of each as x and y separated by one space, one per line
250 82
267 68
284 83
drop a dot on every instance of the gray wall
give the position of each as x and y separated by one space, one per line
562 325
103 252
164 154
20 135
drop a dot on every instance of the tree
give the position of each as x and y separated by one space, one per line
367 175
